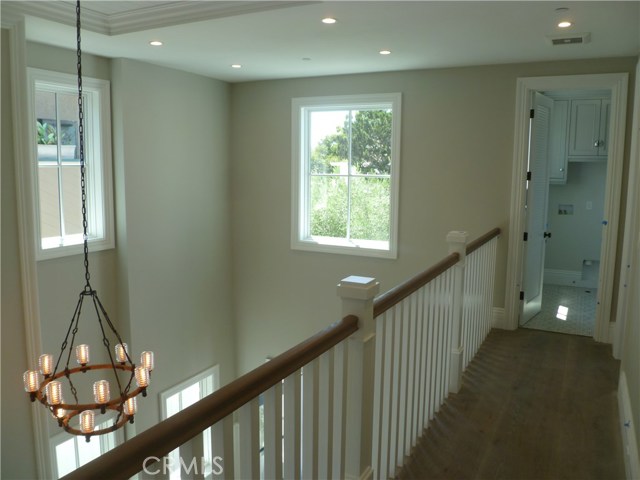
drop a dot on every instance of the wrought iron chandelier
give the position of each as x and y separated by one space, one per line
48 382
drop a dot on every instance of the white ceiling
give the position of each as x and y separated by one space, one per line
283 39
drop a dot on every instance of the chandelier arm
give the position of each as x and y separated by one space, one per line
111 327
74 319
105 340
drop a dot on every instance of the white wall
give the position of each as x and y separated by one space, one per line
17 440
576 237
172 195
457 147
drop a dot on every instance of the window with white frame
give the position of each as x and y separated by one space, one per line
71 452
346 153
56 163
177 399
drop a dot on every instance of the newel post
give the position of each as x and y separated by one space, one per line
357 294
457 244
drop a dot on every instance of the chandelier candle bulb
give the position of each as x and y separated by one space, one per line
31 381
54 393
142 377
87 422
101 392
45 362
82 354
121 352
146 359
131 406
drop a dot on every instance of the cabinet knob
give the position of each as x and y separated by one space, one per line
598 143
562 169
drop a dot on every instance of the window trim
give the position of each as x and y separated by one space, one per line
101 213
299 177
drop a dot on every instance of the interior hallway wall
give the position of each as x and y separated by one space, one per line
455 174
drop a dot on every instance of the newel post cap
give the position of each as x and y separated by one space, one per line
457 236
359 288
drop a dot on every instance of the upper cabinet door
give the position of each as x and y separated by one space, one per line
589 130
584 137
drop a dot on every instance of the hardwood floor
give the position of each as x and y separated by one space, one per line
533 405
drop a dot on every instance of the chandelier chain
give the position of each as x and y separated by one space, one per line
87 275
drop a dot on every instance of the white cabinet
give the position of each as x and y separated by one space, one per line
588 129
558 142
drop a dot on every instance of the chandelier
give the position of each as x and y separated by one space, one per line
51 381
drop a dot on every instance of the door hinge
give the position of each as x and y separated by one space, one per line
529 176
521 294
525 237
532 113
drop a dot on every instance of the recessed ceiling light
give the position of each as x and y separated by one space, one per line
564 24
329 20
236 65
385 52
155 43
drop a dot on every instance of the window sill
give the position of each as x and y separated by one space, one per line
95 245
363 248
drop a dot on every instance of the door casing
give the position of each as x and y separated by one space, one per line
617 83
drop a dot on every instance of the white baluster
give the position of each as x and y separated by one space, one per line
324 419
222 448
309 420
273 432
337 456
457 243
249 451
291 468
192 457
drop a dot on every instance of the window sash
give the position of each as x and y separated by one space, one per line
301 237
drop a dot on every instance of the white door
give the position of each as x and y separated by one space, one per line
536 206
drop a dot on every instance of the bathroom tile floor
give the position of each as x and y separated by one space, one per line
580 305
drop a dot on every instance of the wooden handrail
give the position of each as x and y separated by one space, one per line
388 299
398 293
127 459
480 241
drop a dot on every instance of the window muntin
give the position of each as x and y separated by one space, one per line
56 179
346 156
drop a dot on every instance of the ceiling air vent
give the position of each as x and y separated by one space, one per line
569 39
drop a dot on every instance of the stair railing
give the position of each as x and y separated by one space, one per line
349 402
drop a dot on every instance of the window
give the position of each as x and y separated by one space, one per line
56 173
345 170
180 397
71 452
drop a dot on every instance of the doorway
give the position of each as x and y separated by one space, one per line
568 155
616 84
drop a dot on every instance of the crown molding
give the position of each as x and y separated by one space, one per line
140 16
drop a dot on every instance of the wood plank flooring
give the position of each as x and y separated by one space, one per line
534 405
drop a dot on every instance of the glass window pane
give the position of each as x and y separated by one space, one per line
328 206
370 208
173 404
66 457
72 199
371 142
87 451
46 121
49 202
68 112
329 148
190 395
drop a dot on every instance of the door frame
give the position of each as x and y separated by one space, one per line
617 83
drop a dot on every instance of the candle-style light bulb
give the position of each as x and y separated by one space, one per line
131 406
101 392
142 376
31 380
146 359
121 352
45 362
82 354
54 393
87 421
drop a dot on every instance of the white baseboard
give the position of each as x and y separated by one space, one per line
629 441
498 320
569 278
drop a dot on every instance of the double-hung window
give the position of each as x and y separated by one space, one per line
56 163
346 153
